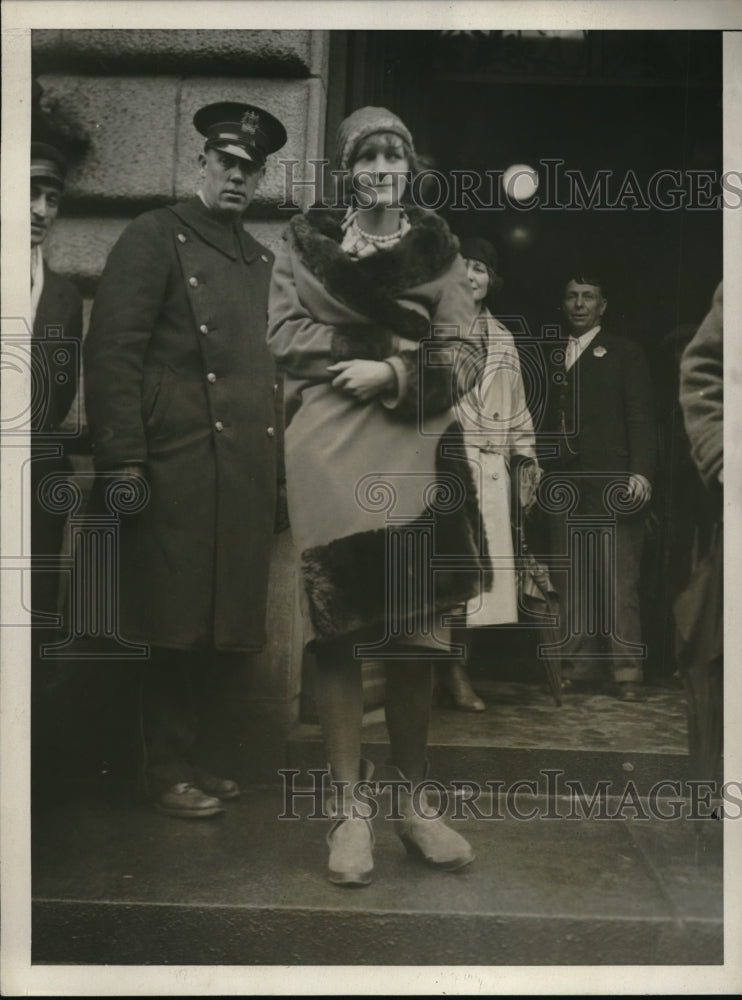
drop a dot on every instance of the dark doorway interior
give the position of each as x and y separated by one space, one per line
628 103
622 102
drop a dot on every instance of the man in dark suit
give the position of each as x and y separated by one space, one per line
180 391
56 323
56 312
602 435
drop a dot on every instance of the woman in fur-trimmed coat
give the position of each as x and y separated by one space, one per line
374 455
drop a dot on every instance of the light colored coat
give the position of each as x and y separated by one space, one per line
350 466
497 425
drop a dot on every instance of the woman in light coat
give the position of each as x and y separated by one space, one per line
498 430
378 485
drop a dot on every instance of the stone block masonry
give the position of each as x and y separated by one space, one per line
130 96
244 52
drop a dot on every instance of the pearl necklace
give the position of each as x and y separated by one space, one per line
378 239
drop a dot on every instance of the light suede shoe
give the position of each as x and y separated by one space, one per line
426 835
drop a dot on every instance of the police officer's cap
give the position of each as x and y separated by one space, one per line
48 163
242 130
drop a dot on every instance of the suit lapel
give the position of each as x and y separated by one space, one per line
588 358
248 244
49 308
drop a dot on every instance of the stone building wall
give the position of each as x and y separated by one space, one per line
130 96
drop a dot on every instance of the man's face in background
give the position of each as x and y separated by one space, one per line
583 306
45 201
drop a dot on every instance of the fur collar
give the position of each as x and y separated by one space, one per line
371 285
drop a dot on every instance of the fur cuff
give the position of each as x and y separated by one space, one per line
436 395
367 342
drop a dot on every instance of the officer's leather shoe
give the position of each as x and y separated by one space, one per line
222 788
188 802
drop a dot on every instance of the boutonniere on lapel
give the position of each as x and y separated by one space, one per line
600 352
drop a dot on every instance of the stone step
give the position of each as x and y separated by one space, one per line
115 883
591 738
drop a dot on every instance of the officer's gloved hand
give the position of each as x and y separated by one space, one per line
120 490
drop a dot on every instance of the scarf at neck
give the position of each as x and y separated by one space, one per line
358 243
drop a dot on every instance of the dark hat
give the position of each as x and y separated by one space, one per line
242 130
48 162
477 248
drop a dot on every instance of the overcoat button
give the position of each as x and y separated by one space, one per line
219 425
264 258
193 282
495 415
271 432
181 238
495 475
204 328
275 386
211 377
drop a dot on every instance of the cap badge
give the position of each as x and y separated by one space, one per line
250 122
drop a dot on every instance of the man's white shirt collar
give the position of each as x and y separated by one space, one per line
576 345
37 279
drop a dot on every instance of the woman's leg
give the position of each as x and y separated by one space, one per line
423 832
339 695
408 697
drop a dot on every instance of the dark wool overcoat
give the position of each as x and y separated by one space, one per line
360 475
58 318
702 392
57 337
178 378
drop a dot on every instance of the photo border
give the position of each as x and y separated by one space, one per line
18 975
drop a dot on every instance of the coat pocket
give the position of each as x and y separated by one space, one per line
157 390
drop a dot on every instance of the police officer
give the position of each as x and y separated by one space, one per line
180 390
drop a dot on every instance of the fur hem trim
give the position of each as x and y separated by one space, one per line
437 392
347 581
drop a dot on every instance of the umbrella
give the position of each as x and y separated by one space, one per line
538 600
